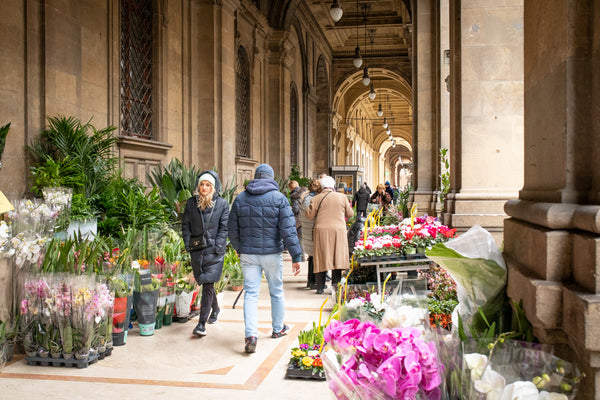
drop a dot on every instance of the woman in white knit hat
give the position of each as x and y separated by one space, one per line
204 231
329 209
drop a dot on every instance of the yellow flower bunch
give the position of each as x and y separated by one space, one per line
307 361
298 353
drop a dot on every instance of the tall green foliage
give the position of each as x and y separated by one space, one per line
126 203
176 183
444 175
296 175
82 156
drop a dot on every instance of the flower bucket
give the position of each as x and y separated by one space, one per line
87 228
145 308
121 317
146 329
183 302
160 316
169 310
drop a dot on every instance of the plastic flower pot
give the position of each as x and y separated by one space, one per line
145 308
121 318
168 317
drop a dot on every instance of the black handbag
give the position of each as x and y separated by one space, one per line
197 243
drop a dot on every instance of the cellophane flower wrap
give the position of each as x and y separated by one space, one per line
507 370
363 361
84 310
103 302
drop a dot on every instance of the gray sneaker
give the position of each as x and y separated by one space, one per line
250 344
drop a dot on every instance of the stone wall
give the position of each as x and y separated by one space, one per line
553 236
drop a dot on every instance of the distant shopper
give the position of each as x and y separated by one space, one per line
295 200
204 232
389 190
381 198
361 201
330 210
261 224
307 230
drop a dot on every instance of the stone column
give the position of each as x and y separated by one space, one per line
486 112
279 61
552 240
426 118
216 81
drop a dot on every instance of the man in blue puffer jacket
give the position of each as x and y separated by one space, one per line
260 219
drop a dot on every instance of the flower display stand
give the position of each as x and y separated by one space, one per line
294 372
61 362
411 262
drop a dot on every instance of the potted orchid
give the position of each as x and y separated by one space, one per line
363 361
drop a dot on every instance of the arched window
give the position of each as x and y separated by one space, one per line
136 68
242 103
293 125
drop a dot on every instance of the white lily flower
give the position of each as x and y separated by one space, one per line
476 363
491 383
520 390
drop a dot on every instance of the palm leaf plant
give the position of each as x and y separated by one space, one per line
75 154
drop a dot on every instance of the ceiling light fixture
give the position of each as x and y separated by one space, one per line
380 111
366 79
385 123
372 93
336 11
357 61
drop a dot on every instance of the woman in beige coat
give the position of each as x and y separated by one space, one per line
329 209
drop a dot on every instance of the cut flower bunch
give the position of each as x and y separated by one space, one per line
406 237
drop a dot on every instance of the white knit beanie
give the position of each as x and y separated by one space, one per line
208 178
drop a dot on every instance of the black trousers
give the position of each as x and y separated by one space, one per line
336 277
311 271
208 301
361 213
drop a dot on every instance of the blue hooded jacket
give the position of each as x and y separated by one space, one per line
261 218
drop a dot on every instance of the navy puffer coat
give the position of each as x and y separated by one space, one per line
208 262
260 218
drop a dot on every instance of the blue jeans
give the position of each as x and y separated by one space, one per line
253 265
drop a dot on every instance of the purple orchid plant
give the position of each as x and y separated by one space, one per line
383 363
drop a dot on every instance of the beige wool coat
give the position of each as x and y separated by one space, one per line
330 240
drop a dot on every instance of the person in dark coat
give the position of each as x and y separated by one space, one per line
382 198
296 201
389 190
361 200
261 224
205 216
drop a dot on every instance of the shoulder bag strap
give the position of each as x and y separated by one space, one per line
321 202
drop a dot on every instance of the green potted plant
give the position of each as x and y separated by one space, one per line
232 270
83 217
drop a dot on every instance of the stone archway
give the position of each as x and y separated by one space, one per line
352 106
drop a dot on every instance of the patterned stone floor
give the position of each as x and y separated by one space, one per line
173 364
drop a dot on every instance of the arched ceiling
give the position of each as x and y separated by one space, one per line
393 93
391 20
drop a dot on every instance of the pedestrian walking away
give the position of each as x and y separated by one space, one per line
261 225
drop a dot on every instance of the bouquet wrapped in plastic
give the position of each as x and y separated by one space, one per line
506 369
363 361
